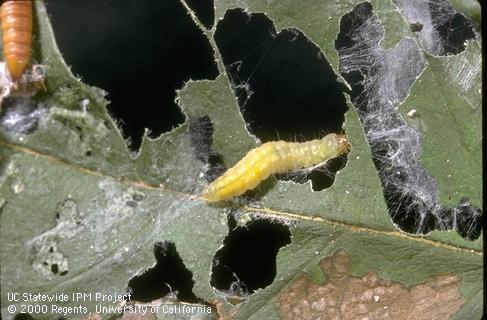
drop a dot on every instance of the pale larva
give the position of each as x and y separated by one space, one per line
274 157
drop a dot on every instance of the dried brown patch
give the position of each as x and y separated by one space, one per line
344 296
137 316
221 310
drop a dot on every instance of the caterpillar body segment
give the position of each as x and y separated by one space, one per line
16 16
274 157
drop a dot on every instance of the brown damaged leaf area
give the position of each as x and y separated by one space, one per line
344 296
138 316
223 314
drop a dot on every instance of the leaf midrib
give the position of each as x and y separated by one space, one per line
268 212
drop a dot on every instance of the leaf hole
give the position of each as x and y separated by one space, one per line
54 268
154 48
247 260
454 28
168 276
441 30
80 132
316 175
416 26
410 191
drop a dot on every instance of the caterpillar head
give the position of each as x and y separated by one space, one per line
331 146
343 145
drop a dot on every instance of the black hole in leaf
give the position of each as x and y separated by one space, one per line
416 26
51 249
354 78
139 52
406 211
63 273
20 115
411 193
54 268
329 168
248 256
294 93
204 10
441 29
88 153
453 28
168 275
468 220
285 87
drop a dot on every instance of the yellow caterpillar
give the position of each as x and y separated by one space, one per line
274 157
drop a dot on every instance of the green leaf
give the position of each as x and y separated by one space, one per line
453 83
72 196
